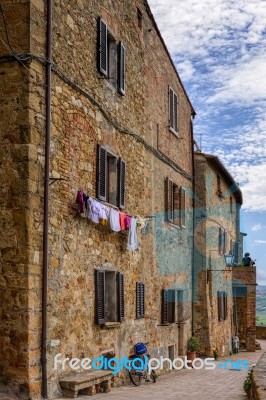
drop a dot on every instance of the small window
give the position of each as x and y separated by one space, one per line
139 18
111 57
110 305
222 244
168 306
219 187
222 305
175 203
173 306
111 173
140 305
172 111
231 205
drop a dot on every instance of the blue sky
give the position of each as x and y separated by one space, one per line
219 48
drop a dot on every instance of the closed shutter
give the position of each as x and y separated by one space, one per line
219 305
121 183
100 296
220 245
102 47
164 306
101 173
175 111
169 200
121 68
121 296
171 108
182 207
224 242
172 302
225 305
140 308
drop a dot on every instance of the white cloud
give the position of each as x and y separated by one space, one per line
261 276
260 241
219 47
256 227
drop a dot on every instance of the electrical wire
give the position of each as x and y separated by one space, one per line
18 57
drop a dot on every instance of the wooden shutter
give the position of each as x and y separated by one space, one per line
220 239
224 241
169 200
172 305
100 296
121 68
102 47
219 305
121 183
164 306
140 307
102 173
121 296
225 305
182 207
171 108
175 112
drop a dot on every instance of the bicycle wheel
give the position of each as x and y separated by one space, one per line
153 376
134 377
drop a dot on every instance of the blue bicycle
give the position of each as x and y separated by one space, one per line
137 372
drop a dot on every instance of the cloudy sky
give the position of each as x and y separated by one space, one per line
219 48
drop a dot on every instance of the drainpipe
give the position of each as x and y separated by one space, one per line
193 227
46 198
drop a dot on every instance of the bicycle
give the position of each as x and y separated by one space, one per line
136 375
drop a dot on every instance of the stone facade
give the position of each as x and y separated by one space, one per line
244 290
87 110
216 232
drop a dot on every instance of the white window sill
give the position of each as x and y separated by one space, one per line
173 131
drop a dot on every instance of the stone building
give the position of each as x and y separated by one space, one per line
120 131
225 294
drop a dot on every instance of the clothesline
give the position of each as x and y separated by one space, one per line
101 213
106 203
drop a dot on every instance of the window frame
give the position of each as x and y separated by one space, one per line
104 155
101 296
175 204
111 57
173 111
222 305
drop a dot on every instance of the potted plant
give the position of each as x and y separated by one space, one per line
193 345
247 385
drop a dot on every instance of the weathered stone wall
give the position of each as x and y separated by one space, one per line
16 153
82 117
244 284
211 213
260 332
258 379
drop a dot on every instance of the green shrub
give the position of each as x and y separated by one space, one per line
193 344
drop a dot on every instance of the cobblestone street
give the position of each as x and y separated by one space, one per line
218 384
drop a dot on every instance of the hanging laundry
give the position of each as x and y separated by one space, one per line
93 210
132 243
128 220
80 201
122 217
104 214
114 220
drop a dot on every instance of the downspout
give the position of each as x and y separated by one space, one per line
46 198
193 228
